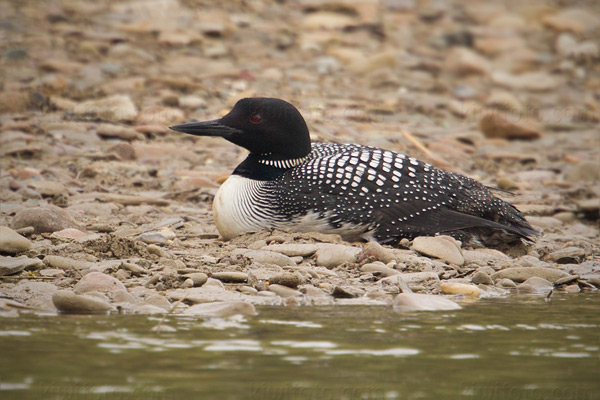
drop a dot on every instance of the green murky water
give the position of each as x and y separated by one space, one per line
513 348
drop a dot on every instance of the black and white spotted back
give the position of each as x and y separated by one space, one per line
369 193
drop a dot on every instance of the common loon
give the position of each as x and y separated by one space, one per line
359 192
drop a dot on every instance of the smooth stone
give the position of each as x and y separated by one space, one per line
11 242
568 255
133 268
34 294
158 300
97 281
497 125
146 309
230 276
13 265
66 263
535 284
188 283
208 292
521 274
423 302
289 279
380 269
332 255
284 291
506 283
481 278
464 61
121 296
293 249
68 302
442 247
380 253
414 279
152 238
460 288
113 108
572 288
45 219
68 233
198 278
267 257
222 309
484 257
347 292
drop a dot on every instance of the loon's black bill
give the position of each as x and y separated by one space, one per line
206 128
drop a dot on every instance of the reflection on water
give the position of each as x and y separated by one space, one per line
513 348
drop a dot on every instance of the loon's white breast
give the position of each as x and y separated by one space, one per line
233 207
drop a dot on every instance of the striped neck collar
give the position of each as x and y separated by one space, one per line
263 169
284 164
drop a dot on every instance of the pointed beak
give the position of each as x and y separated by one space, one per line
206 128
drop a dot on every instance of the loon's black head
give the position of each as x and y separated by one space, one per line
267 127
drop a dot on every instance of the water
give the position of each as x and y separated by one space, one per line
520 347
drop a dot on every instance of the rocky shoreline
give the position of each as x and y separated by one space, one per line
103 209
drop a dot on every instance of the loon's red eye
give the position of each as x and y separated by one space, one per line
255 118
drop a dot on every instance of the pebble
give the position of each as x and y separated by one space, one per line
347 292
442 247
535 284
572 288
159 301
125 151
506 283
380 269
98 281
133 268
521 274
481 278
289 279
222 309
13 265
69 233
66 263
464 61
66 301
110 131
460 288
586 171
576 20
589 207
152 238
284 291
497 125
34 294
266 257
414 280
113 108
11 242
146 309
568 255
293 249
230 276
45 219
332 255
423 302
121 296
484 257
534 81
48 188
380 253
198 278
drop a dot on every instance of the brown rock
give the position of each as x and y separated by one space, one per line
45 219
496 125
